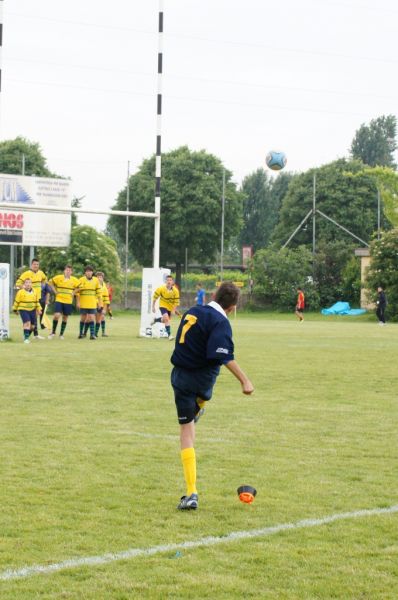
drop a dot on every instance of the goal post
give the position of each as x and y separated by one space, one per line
5 288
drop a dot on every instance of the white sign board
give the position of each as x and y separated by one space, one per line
4 301
151 279
19 227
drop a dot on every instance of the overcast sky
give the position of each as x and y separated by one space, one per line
240 78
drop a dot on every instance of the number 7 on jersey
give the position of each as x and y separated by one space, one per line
190 320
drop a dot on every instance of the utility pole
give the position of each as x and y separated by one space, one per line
126 264
222 225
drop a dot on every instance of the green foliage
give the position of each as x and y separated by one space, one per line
331 260
351 281
375 144
11 153
278 273
344 192
383 270
190 210
189 281
87 247
387 183
261 204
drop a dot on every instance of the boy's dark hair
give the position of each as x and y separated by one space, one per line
34 260
89 268
68 267
227 295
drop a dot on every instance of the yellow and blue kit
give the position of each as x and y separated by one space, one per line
64 287
105 294
89 292
203 343
26 300
168 299
37 279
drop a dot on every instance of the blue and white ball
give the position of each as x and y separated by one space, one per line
276 160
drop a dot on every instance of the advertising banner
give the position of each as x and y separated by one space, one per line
4 301
19 227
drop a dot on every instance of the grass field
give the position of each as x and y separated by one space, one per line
90 465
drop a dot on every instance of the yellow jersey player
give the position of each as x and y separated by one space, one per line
169 299
27 304
37 277
102 310
63 286
88 297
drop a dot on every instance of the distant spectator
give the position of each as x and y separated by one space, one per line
300 305
200 295
381 303
46 292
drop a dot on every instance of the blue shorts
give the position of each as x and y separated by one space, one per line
190 386
64 309
88 311
164 311
28 316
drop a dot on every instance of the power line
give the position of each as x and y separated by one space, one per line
252 44
196 99
245 84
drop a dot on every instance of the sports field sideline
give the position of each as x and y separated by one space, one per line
90 466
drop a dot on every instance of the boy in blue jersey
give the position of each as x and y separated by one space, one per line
203 343
200 295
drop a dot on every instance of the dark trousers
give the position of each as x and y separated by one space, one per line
43 306
380 313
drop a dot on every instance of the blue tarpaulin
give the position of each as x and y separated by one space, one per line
342 308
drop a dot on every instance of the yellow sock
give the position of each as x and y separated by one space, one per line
188 459
201 403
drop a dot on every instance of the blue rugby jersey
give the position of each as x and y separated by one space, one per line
204 339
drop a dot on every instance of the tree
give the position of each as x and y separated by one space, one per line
344 192
190 210
330 271
76 203
261 204
375 144
87 246
278 273
11 157
383 270
386 181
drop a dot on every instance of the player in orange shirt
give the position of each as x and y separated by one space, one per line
300 304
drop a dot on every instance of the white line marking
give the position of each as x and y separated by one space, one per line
207 541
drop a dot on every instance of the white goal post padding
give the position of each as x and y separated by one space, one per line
4 301
151 279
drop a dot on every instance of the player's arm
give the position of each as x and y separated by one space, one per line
53 285
76 292
20 281
16 302
234 368
156 295
176 304
98 292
